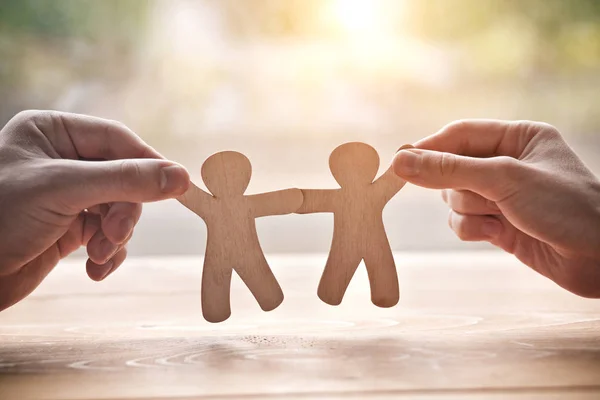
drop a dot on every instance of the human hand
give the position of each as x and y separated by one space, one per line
519 186
67 181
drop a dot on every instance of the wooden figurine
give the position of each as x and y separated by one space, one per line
358 230
232 242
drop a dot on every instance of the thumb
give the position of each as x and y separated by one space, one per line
490 177
88 183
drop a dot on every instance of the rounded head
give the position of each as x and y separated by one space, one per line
354 163
227 173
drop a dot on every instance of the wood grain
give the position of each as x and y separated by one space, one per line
232 242
469 326
358 230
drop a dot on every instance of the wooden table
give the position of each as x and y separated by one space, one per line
468 326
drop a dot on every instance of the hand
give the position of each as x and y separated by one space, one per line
519 186
59 190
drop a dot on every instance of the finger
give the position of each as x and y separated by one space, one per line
100 249
100 209
120 221
77 136
87 183
475 228
482 138
580 278
79 234
467 202
493 178
99 272
498 231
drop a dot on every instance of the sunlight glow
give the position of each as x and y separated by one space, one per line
359 18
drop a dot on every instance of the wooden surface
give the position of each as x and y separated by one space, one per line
358 229
232 242
468 326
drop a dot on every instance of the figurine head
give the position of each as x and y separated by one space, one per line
354 163
227 173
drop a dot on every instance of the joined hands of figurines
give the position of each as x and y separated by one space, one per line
358 233
232 242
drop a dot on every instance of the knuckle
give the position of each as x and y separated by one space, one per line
26 122
112 131
29 115
552 134
115 123
129 174
529 129
458 201
458 225
461 232
116 127
509 175
120 126
39 121
457 126
547 130
44 120
447 164
508 167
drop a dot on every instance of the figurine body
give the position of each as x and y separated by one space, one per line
232 242
359 233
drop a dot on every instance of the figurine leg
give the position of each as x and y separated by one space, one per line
259 278
341 265
216 285
383 276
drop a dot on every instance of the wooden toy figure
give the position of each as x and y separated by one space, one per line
358 230
232 242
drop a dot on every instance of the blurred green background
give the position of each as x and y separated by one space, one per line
285 81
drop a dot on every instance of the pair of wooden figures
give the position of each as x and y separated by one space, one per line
233 244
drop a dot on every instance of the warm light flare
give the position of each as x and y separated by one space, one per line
359 18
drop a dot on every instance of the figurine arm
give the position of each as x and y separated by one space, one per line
318 201
196 200
275 203
389 184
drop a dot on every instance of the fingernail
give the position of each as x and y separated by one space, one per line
107 249
407 163
126 226
406 146
491 229
173 179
